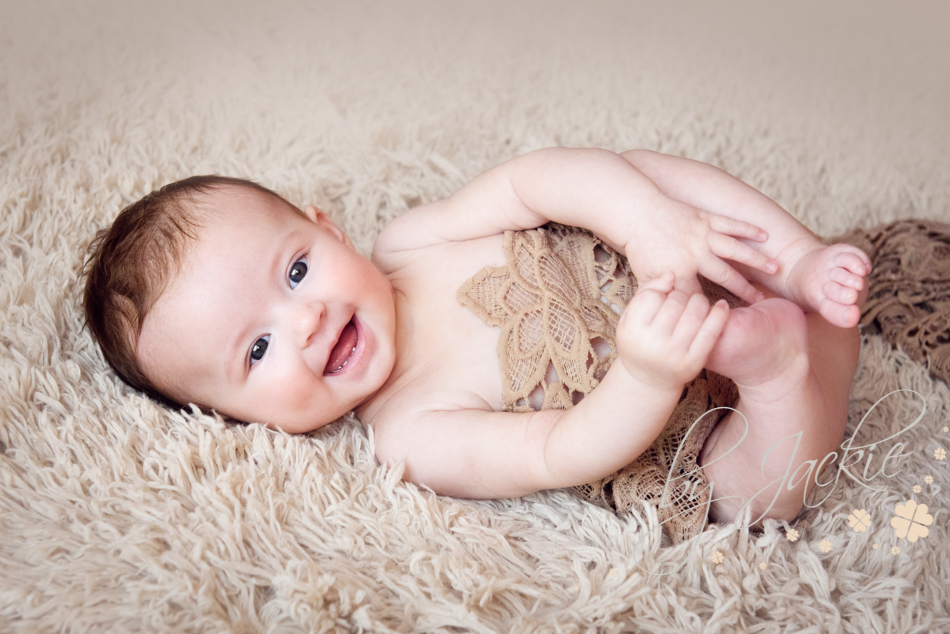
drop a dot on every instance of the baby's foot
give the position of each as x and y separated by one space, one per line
763 348
832 281
789 411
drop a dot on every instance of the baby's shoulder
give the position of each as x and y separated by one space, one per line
409 233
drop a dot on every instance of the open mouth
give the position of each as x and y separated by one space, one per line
344 349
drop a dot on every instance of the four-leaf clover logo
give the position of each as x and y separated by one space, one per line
912 520
792 535
717 557
859 520
940 453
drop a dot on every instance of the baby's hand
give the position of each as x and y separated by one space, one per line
687 241
664 336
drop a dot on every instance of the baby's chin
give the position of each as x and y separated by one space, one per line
300 428
290 428
295 424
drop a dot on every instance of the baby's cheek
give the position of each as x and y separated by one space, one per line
291 394
294 406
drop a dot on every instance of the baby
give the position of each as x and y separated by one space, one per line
218 292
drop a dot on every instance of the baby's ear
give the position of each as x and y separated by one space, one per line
327 225
312 213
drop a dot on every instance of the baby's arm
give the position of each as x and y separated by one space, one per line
827 280
600 191
664 338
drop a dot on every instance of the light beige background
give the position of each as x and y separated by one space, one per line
118 515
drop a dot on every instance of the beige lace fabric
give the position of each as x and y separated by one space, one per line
561 294
909 288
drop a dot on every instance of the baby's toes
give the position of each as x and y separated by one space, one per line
839 314
839 293
843 280
853 260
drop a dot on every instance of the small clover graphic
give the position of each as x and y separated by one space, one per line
917 488
895 550
940 453
763 566
717 557
929 479
792 535
875 546
824 546
946 429
912 520
613 572
859 520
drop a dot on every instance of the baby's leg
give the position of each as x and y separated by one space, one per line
794 372
822 279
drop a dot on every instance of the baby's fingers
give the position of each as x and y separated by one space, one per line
690 319
737 228
650 296
715 270
708 333
729 248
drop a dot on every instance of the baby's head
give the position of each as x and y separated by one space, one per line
218 292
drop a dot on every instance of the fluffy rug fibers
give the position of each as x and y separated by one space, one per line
119 515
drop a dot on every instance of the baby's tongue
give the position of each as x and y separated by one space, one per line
343 349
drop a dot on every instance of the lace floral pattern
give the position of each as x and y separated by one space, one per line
561 294
553 299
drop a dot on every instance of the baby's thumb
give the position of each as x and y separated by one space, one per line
663 283
689 284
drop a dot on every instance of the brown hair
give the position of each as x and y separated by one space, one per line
131 263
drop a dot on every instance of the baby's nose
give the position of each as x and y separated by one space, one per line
306 322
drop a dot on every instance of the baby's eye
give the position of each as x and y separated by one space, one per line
297 273
258 349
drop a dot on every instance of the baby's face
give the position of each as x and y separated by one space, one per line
274 317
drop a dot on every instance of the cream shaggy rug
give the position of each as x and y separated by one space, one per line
117 515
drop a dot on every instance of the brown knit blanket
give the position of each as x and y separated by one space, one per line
909 289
